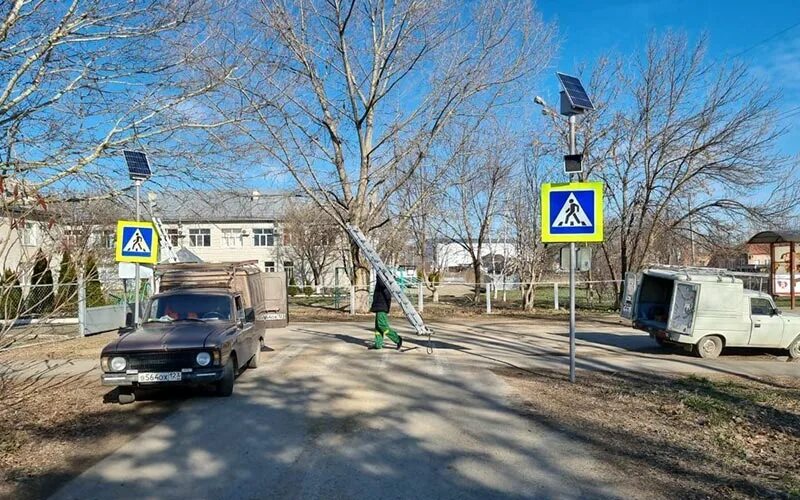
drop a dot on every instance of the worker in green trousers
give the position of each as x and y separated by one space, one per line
381 303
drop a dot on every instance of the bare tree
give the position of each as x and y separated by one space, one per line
476 193
79 81
313 241
523 209
353 96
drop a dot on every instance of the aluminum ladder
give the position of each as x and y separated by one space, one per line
382 271
166 248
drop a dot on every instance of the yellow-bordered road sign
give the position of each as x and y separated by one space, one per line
572 212
137 242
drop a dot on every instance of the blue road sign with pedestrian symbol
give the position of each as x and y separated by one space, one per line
136 242
572 212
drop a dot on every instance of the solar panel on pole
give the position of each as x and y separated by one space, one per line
576 94
138 167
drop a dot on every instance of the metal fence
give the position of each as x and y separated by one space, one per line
41 311
501 297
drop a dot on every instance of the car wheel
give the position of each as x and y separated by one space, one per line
709 347
661 342
794 349
253 363
225 386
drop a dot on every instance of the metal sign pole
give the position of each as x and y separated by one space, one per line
137 284
572 271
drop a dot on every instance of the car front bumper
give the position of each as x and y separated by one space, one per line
191 377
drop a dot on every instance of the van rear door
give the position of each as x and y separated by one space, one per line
684 305
631 284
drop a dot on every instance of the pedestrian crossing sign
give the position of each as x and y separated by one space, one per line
137 242
572 212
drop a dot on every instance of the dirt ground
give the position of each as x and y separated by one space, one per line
707 438
79 347
52 429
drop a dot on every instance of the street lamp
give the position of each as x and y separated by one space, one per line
138 171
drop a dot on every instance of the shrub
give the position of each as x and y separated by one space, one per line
40 298
308 290
67 296
10 295
293 289
94 289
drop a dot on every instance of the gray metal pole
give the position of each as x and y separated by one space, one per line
137 284
572 271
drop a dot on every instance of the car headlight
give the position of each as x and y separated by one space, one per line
203 359
118 364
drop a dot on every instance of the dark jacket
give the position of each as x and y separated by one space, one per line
382 298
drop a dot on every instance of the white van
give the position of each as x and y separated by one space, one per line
706 309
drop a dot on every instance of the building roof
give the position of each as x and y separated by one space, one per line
775 237
220 206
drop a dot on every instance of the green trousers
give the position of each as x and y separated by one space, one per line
382 328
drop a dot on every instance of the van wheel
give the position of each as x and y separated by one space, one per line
794 349
225 385
709 347
253 363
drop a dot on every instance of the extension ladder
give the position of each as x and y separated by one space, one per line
388 279
167 250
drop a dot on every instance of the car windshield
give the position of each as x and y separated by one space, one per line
190 307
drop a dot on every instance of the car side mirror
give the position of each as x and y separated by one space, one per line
776 311
249 315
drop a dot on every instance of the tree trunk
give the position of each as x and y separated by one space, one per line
528 296
360 280
435 294
476 268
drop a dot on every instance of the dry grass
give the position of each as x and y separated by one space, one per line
677 436
73 348
52 429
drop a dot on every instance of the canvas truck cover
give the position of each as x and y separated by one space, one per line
265 292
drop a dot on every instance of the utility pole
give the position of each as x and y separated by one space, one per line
137 277
571 267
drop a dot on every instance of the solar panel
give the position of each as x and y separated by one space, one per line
576 94
138 167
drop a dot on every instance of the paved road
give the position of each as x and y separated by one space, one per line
325 418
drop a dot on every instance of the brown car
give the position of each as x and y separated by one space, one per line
188 336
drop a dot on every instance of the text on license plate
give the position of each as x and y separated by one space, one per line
160 377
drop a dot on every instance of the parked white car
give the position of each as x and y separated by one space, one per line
706 310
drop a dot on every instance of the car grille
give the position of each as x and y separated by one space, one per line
161 361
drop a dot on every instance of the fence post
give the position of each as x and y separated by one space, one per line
352 299
555 296
81 304
488 298
420 304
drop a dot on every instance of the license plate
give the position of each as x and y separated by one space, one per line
160 377
269 316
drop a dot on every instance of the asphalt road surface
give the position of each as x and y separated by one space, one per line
323 417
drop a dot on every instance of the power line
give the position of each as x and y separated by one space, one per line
769 38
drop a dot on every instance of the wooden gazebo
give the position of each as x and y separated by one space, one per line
774 238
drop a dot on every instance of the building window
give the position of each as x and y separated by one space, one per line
174 236
264 237
199 237
29 235
269 266
107 239
232 238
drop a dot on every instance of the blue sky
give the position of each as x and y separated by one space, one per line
588 29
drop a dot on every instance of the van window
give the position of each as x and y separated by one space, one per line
760 307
